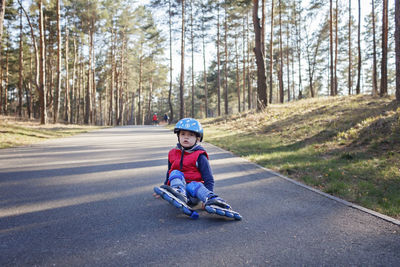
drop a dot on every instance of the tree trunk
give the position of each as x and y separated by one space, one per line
374 69
111 93
21 66
271 49
204 69
149 108
287 58
42 67
6 80
336 50
73 90
29 89
332 83
248 77
244 64
192 45
298 44
359 50
49 71
2 11
121 99
139 120
117 95
226 60
171 117
258 50
133 109
264 48
56 106
67 100
93 114
292 73
237 74
218 65
280 71
122 91
182 77
80 88
1 81
36 53
88 97
349 78
101 108
397 44
384 49
263 27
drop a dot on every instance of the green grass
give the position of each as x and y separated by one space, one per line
14 132
345 146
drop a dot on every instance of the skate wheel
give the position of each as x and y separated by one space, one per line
237 216
157 191
220 212
194 215
170 200
229 214
210 210
176 204
186 211
167 198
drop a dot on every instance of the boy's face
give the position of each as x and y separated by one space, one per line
187 139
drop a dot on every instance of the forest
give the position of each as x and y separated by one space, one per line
118 62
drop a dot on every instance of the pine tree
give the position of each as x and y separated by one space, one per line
21 66
42 68
226 101
2 12
56 104
271 49
359 49
374 68
332 83
397 43
182 74
218 62
383 89
349 78
280 67
258 50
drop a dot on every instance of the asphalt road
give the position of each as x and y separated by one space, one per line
87 201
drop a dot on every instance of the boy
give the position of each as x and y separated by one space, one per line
189 178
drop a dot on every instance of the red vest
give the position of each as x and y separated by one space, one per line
189 167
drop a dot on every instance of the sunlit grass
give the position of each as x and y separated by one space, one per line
345 146
14 132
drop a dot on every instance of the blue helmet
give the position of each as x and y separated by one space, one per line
189 124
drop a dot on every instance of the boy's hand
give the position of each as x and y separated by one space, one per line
156 196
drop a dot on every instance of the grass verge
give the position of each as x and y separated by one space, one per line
19 132
345 146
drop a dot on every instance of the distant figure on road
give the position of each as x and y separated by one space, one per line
166 118
155 119
189 178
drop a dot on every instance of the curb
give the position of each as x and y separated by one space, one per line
342 201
